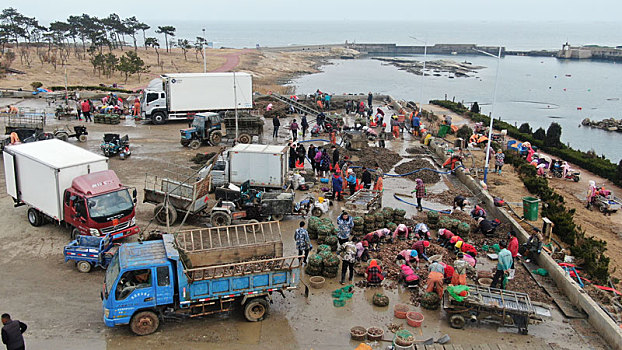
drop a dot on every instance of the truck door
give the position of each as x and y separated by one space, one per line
153 101
135 291
164 290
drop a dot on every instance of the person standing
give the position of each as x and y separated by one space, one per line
591 193
136 107
301 152
303 243
12 333
504 265
345 225
276 123
325 164
304 124
351 179
293 155
460 270
370 98
513 246
348 258
335 155
419 192
79 109
86 110
311 152
327 101
294 128
416 123
366 178
337 185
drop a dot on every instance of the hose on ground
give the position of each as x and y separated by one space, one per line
415 205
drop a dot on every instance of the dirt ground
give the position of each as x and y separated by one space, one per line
62 307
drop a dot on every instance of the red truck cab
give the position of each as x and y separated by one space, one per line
98 204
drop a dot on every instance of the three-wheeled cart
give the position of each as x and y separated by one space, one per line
607 204
90 251
506 307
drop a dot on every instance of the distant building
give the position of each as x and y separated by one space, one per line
590 52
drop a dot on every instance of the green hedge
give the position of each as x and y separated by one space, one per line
587 250
90 88
597 165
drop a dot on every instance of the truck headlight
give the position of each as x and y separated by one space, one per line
133 221
106 313
94 232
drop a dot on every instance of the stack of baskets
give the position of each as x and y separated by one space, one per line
312 226
325 228
106 119
330 261
433 219
359 226
315 265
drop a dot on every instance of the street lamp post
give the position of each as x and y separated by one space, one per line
425 53
492 110
204 56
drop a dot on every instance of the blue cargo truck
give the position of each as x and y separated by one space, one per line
196 273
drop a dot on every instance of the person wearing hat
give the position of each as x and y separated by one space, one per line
420 247
478 212
402 232
375 237
362 250
407 256
464 247
460 270
337 181
408 275
444 236
374 274
504 264
435 278
422 231
351 179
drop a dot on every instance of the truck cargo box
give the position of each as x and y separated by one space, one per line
188 92
38 173
263 165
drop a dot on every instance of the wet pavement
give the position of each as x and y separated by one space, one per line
62 307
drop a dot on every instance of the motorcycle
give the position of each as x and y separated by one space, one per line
570 174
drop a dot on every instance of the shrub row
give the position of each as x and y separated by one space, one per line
589 252
90 88
597 165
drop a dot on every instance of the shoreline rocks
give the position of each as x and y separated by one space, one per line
609 124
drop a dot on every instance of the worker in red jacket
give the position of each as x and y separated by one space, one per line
513 246
466 248
420 247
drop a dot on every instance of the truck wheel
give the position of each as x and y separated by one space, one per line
34 217
82 138
317 212
215 138
194 144
160 214
256 309
278 217
220 218
158 118
144 323
84 266
245 138
457 321
63 136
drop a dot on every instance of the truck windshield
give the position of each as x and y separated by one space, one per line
111 273
198 122
110 206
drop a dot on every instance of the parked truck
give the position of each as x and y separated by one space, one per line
182 95
213 127
265 166
197 273
69 185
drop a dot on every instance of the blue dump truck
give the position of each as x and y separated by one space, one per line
196 273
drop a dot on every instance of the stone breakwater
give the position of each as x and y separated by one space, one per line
610 124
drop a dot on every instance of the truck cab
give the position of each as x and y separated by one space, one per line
98 204
154 103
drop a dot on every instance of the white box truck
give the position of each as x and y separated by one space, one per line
66 184
182 95
265 166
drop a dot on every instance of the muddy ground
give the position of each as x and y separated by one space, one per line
62 307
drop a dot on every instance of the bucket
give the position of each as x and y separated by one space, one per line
375 333
358 333
414 319
400 310
317 282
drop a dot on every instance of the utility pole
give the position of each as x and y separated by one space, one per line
235 102
204 55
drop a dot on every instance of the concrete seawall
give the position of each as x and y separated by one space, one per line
606 327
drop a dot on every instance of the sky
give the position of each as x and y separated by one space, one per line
349 10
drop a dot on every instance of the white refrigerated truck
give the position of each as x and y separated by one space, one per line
182 95
265 166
